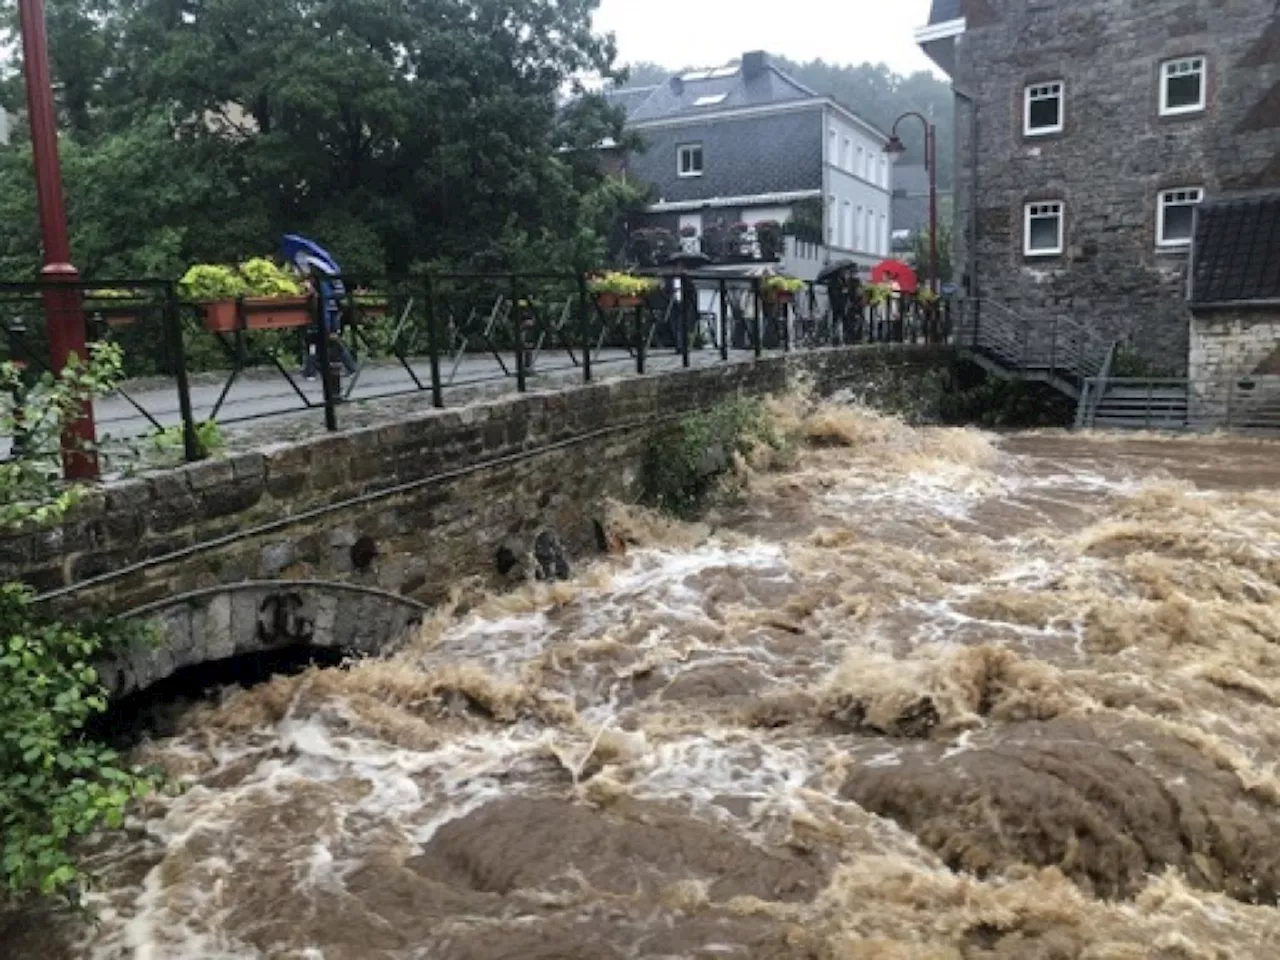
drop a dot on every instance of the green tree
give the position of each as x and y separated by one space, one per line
56 784
396 133
920 254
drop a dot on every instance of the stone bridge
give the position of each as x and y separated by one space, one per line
345 541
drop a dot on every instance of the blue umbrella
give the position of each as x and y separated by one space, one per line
307 254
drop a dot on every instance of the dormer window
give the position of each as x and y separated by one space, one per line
1043 114
711 100
689 160
1182 86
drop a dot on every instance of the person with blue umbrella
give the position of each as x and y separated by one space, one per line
321 271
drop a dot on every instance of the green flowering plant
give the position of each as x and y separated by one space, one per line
621 284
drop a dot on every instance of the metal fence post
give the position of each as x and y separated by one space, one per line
724 321
433 342
328 375
688 308
178 351
757 319
517 326
641 335
17 356
584 309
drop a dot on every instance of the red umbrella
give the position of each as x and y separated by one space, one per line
895 271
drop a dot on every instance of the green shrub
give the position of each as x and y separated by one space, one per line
56 785
686 463
207 282
265 279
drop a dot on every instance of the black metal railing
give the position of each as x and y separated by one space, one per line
1238 404
191 368
1055 347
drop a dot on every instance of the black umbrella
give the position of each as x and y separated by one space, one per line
688 261
833 270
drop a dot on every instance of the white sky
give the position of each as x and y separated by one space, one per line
689 33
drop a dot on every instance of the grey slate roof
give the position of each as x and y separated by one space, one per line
945 11
781 153
1236 256
671 99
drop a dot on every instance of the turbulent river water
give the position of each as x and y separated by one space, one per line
919 694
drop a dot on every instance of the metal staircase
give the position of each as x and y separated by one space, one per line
1133 404
1059 351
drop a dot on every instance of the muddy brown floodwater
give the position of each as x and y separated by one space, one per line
921 695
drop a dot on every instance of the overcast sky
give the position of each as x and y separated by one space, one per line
704 33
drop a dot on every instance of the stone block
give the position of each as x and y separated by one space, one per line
275 557
209 474
211 619
249 467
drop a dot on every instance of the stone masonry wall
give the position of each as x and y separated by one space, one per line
1234 365
338 508
1115 153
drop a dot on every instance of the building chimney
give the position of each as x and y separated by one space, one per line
677 85
754 64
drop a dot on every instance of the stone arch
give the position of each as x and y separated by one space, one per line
222 622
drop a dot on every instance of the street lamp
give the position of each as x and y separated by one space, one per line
63 306
895 147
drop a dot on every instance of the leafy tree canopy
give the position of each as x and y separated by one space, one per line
395 132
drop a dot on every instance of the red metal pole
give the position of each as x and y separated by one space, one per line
931 154
63 306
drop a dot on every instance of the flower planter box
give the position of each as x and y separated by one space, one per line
116 314
374 309
220 316
276 313
611 301
260 313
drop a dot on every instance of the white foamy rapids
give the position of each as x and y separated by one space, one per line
381 796
743 682
653 581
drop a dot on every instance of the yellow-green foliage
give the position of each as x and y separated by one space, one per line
622 284
781 284
258 277
265 279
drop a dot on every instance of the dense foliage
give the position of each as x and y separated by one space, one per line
55 784
698 454
397 133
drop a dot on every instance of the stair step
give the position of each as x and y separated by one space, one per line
1139 423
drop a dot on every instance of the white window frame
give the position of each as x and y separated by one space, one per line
855 166
1036 92
1175 197
1179 67
684 150
1034 210
846 153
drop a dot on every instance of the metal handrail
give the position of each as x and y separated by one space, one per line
1094 389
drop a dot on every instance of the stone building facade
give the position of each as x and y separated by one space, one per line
1086 133
1234 357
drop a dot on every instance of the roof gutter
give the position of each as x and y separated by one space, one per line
746 200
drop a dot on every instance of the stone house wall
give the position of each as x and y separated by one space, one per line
1234 366
1114 155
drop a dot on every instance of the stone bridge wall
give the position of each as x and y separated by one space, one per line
408 507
